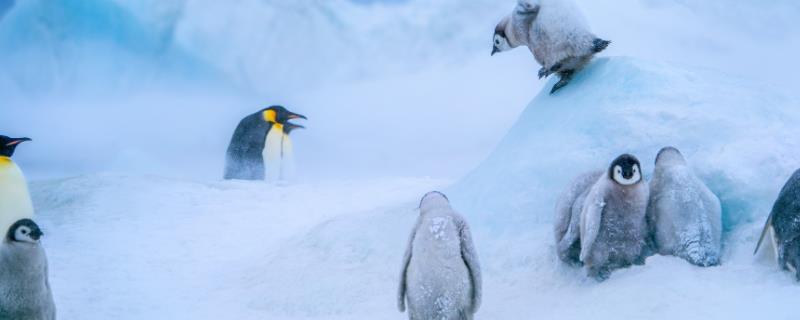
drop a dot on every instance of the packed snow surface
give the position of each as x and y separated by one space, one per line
148 247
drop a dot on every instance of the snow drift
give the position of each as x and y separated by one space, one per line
739 138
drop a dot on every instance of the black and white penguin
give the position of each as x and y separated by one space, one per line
15 201
24 285
440 276
555 32
684 216
613 227
259 143
783 224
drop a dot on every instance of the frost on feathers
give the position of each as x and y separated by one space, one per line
685 217
440 276
613 227
558 32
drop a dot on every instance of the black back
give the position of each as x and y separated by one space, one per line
786 210
244 158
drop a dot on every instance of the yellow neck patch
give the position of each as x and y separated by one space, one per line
5 161
270 116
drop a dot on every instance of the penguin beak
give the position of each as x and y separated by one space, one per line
494 50
297 116
36 234
17 141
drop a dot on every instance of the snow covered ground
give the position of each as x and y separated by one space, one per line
138 246
152 89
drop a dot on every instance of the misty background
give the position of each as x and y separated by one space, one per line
391 88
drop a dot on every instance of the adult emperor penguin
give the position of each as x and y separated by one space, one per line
613 227
684 216
568 213
15 201
783 224
258 142
555 32
440 277
24 284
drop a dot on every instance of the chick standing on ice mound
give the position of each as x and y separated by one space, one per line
555 32
611 225
685 217
15 201
440 276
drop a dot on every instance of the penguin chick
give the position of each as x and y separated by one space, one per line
15 200
555 32
568 213
258 139
685 217
783 224
24 285
613 227
440 276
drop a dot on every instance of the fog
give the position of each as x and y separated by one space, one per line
391 88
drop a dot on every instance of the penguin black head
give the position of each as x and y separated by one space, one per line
500 39
279 114
625 170
24 230
8 145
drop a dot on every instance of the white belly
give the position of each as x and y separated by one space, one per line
15 201
273 147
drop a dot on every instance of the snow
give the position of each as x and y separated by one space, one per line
139 246
151 90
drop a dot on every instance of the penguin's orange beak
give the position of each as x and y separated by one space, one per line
17 141
297 116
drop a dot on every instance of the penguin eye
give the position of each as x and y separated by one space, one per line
497 41
24 231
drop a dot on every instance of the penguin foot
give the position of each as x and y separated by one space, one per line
563 82
543 73
599 45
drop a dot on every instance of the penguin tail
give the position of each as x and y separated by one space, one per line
599 45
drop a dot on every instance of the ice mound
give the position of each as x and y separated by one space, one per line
740 139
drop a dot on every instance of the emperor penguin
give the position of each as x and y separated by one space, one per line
258 144
15 201
24 285
613 227
568 213
555 32
440 276
684 216
783 225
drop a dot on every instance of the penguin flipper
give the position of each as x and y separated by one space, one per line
470 257
566 76
767 226
591 217
599 45
401 289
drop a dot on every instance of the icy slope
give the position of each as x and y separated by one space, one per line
741 139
